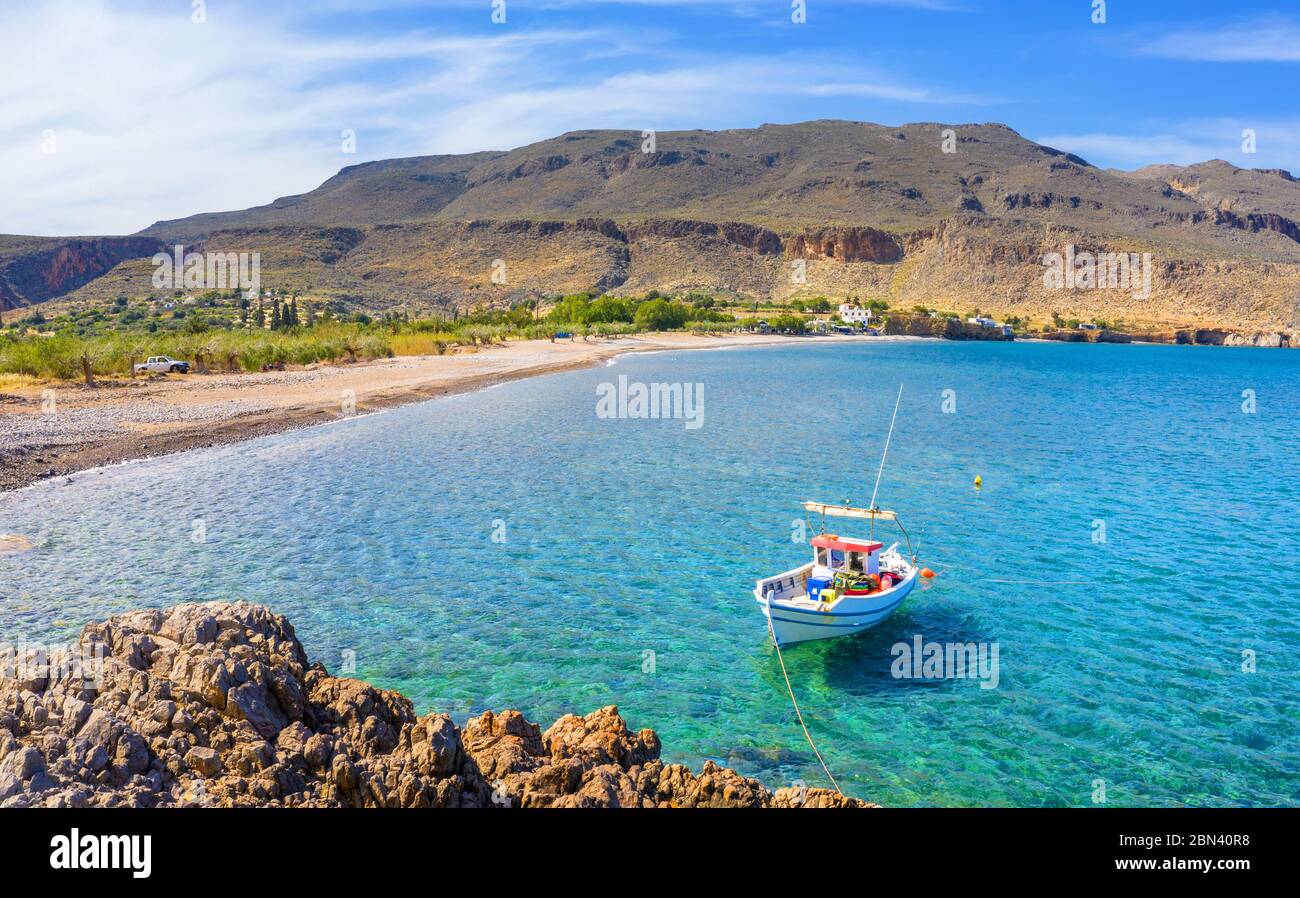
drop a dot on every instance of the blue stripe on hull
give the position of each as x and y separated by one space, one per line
822 615
822 628
817 623
784 609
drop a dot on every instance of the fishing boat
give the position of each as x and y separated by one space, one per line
850 585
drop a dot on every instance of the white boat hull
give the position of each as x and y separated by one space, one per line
793 617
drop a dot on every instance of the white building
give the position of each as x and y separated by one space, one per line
854 313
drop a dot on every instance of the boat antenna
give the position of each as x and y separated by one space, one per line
872 506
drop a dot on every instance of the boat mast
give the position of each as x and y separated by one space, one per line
883 455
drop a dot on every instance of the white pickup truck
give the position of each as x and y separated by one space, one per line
162 364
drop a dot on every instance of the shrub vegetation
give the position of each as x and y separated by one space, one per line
223 331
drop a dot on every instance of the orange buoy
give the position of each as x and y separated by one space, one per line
927 573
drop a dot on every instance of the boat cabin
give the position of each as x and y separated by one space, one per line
844 554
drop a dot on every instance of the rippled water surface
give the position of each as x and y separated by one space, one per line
1120 660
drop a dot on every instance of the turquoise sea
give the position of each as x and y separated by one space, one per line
1121 660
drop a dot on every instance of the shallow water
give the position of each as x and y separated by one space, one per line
1119 660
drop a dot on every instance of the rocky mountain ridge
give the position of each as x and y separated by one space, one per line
864 209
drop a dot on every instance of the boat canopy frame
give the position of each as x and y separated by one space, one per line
848 511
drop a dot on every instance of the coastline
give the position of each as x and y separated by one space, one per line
125 420
133 419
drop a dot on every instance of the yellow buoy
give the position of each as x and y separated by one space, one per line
979 481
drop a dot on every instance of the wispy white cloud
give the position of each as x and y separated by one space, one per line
1257 40
153 116
1129 150
1277 144
885 90
685 96
725 6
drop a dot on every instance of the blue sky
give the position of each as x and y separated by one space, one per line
117 113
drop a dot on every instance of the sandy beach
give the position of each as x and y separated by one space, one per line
59 428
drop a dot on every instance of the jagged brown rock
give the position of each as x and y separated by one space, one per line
217 705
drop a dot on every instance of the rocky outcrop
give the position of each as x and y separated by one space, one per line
1253 222
948 328
846 245
217 705
1100 335
1037 199
1270 340
760 240
1222 337
55 267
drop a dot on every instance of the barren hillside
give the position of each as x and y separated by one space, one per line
827 207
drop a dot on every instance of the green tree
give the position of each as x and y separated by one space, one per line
195 324
570 309
795 324
607 310
661 315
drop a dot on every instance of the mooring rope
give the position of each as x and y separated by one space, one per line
807 735
771 628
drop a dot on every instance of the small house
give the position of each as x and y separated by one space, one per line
852 313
